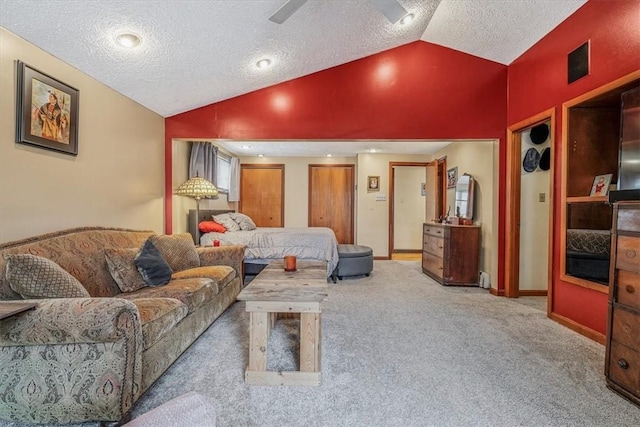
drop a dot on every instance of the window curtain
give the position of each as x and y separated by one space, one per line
204 160
234 180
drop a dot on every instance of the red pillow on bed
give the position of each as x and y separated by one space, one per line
211 227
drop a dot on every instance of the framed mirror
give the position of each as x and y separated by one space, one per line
464 197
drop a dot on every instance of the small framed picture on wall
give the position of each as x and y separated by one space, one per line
373 183
452 177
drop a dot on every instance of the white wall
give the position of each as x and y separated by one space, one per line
409 207
534 223
116 179
480 160
373 216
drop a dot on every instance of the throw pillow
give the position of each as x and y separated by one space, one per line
178 250
121 266
35 277
211 227
227 221
244 221
154 269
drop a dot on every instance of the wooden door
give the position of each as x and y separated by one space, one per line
331 199
262 194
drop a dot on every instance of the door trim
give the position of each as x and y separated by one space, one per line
513 189
391 197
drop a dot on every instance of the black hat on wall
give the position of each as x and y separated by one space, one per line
531 160
539 133
545 159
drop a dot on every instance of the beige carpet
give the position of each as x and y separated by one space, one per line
401 350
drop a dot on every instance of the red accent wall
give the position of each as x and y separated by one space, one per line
425 91
416 91
538 81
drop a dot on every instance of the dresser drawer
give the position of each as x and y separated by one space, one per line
624 367
628 289
434 245
433 264
625 328
628 219
433 230
628 253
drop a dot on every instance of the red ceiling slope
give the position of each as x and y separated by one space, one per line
416 91
538 81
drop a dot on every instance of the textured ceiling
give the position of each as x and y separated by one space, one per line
197 52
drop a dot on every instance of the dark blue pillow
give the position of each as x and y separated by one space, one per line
154 269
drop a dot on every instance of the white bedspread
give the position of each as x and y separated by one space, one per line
265 244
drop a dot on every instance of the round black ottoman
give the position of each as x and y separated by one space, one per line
354 260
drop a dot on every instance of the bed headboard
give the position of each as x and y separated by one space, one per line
204 215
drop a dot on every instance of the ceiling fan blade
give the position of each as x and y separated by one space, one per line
288 9
391 9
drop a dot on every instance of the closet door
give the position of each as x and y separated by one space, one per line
262 194
331 199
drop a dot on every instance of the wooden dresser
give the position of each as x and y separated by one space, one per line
622 364
451 253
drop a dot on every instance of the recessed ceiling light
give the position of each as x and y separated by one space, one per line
245 147
263 63
128 40
260 155
372 150
329 155
407 19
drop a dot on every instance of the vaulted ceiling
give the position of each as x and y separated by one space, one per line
194 53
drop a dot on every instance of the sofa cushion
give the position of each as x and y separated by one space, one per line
221 274
193 292
36 277
158 316
178 250
154 269
122 268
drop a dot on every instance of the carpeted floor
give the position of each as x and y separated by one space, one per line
400 350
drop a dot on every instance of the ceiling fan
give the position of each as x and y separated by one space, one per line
389 8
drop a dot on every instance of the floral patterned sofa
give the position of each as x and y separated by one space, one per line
91 356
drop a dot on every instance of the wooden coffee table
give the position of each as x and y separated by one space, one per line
277 291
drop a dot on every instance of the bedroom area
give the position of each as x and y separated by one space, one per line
356 214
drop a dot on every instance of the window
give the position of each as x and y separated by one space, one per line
223 172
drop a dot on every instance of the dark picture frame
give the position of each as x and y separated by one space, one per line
46 111
452 177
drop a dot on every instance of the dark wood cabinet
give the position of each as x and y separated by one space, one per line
622 364
451 253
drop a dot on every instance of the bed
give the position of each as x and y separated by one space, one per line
265 244
588 253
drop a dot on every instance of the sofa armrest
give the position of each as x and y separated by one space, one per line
72 320
231 255
71 360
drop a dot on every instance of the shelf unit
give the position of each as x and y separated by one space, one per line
591 126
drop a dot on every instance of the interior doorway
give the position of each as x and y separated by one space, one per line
529 207
403 204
